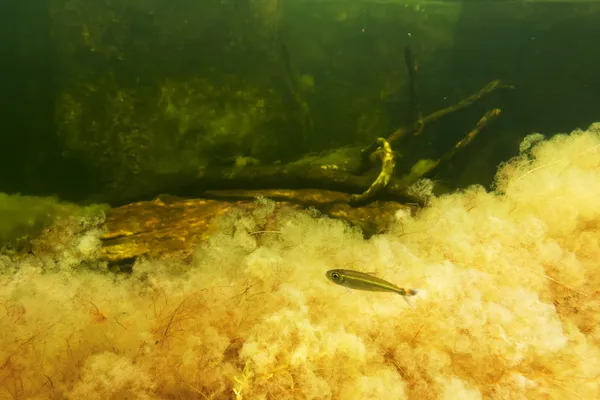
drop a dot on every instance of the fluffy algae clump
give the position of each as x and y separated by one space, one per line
508 306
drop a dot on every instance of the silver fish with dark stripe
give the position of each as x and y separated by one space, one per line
364 281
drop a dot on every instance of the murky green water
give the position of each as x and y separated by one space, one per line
101 98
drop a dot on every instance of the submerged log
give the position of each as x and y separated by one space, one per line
169 227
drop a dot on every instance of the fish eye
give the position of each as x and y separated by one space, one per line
335 275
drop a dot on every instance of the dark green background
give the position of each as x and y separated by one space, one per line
548 50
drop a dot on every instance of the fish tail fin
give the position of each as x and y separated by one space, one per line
406 293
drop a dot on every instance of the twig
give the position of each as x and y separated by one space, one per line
415 116
556 162
170 323
483 122
196 390
487 89
559 283
416 128
387 168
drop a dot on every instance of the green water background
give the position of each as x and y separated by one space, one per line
97 97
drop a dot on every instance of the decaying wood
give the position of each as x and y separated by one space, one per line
297 175
415 116
388 163
360 179
487 118
412 129
174 227
171 227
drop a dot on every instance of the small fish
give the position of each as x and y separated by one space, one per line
364 281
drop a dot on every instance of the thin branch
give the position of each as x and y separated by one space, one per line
387 168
